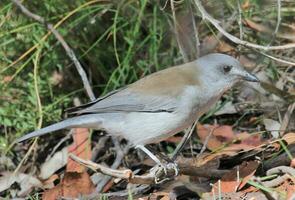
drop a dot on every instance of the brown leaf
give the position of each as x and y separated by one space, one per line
81 147
287 34
49 183
289 138
219 135
173 139
252 140
229 182
73 185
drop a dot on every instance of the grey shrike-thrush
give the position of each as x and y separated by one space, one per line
160 104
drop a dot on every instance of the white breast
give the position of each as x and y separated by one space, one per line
144 128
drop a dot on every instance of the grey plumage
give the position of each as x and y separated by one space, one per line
161 104
90 121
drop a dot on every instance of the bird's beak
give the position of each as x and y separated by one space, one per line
250 77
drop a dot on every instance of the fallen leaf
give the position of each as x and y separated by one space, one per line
289 138
81 147
219 135
72 185
49 183
230 183
251 140
57 161
26 182
228 108
273 127
286 33
247 171
173 139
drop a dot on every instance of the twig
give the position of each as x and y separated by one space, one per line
185 168
67 48
206 142
196 32
182 51
216 24
123 174
278 59
98 147
61 141
138 190
280 160
275 182
240 19
281 169
209 49
287 118
188 133
278 22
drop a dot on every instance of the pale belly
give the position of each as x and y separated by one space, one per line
145 128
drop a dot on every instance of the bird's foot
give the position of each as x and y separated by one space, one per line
166 172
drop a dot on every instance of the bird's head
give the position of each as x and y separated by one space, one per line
222 71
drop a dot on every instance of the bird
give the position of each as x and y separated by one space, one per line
159 105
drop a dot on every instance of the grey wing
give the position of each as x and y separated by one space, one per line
127 101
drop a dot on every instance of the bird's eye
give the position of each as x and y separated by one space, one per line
227 68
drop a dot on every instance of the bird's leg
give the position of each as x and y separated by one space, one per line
150 154
161 156
169 165
183 141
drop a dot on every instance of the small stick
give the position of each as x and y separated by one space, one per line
216 24
185 168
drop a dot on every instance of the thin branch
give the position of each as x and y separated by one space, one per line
216 24
240 19
196 32
279 18
67 48
287 118
279 60
182 51
186 167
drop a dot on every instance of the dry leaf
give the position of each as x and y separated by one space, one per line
49 183
57 161
229 182
273 127
73 185
289 138
219 135
26 182
81 147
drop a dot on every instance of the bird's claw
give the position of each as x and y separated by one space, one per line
166 168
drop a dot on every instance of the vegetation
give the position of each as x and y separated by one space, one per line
118 42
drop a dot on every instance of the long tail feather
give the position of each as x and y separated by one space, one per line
85 121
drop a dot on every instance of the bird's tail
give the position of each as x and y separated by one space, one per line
84 121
